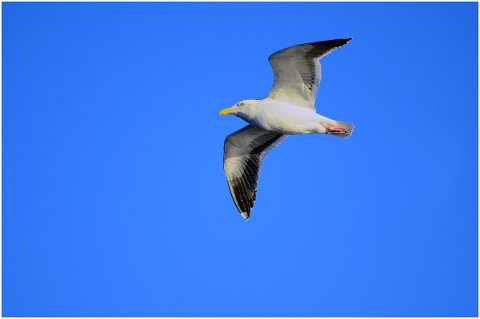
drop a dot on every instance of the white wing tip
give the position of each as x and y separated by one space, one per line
245 216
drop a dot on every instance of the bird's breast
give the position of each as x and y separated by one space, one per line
287 119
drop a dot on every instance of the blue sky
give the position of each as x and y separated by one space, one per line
114 198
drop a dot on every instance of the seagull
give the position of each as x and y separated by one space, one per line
288 109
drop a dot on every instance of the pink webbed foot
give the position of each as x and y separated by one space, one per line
334 129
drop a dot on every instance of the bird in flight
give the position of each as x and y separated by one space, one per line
288 109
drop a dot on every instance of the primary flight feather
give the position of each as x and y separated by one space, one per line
289 108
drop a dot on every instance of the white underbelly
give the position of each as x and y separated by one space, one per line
288 119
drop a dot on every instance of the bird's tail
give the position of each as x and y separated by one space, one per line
343 133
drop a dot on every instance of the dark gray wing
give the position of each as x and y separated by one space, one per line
297 72
243 154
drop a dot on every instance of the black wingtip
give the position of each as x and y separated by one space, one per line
340 41
335 43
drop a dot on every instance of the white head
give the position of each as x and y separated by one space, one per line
245 109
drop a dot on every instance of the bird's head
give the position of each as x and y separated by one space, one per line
244 109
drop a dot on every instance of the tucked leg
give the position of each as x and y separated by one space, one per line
335 129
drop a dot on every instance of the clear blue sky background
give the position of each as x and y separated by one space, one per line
114 197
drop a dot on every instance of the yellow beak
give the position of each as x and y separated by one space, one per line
227 111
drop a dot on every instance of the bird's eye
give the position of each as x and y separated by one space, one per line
241 104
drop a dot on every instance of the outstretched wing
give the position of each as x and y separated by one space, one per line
243 154
297 72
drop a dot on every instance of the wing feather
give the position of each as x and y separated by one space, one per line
243 155
297 72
